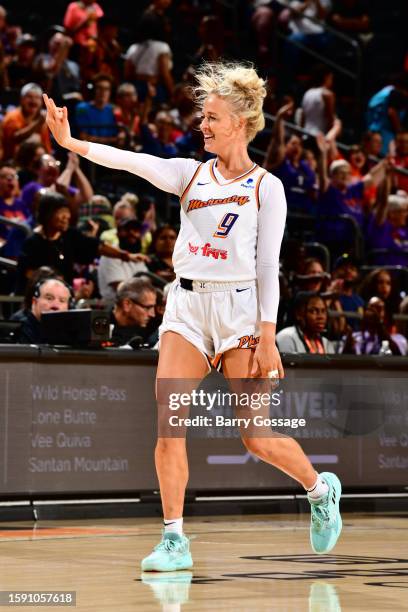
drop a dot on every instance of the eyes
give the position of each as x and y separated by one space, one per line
209 118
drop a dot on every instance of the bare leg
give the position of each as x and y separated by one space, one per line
178 359
282 452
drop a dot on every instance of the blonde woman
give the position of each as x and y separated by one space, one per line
222 307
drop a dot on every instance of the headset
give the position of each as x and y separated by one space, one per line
40 283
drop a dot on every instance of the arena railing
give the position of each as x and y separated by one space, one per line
21 225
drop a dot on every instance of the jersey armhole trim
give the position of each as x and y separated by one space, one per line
191 182
258 183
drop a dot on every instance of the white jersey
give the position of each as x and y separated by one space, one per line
223 235
219 226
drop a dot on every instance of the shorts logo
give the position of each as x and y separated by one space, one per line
248 341
249 183
234 199
208 251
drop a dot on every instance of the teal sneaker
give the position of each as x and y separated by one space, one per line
173 553
326 524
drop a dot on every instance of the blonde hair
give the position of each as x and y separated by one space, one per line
238 84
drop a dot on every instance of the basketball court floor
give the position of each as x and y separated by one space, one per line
245 563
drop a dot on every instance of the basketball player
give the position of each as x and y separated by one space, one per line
227 261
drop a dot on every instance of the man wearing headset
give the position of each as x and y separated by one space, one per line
49 295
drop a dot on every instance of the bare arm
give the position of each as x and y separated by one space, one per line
380 206
165 72
322 164
376 174
329 108
275 153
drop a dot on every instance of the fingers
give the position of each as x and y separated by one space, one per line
255 366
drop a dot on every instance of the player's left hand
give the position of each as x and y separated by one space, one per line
267 359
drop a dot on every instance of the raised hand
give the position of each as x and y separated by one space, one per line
57 121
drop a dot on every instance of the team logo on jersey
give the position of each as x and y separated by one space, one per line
248 341
192 248
249 184
234 199
208 251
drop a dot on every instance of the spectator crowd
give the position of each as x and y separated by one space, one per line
72 234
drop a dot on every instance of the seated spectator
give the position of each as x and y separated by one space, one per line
158 137
11 204
112 272
59 76
150 62
313 277
306 335
401 160
56 244
96 209
386 110
49 177
318 110
81 19
95 119
372 144
191 143
26 121
21 69
134 308
28 161
124 209
374 337
380 283
388 230
127 115
12 207
49 295
350 16
345 276
285 161
161 249
183 107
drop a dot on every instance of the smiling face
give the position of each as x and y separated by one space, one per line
221 130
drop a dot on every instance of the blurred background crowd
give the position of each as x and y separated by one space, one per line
76 235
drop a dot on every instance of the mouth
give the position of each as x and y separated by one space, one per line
207 137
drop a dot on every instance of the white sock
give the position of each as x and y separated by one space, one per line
319 488
173 525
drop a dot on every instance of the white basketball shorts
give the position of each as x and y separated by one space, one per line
215 316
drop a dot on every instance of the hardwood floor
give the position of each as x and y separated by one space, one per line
245 563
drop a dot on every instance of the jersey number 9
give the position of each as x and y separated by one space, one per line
225 225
